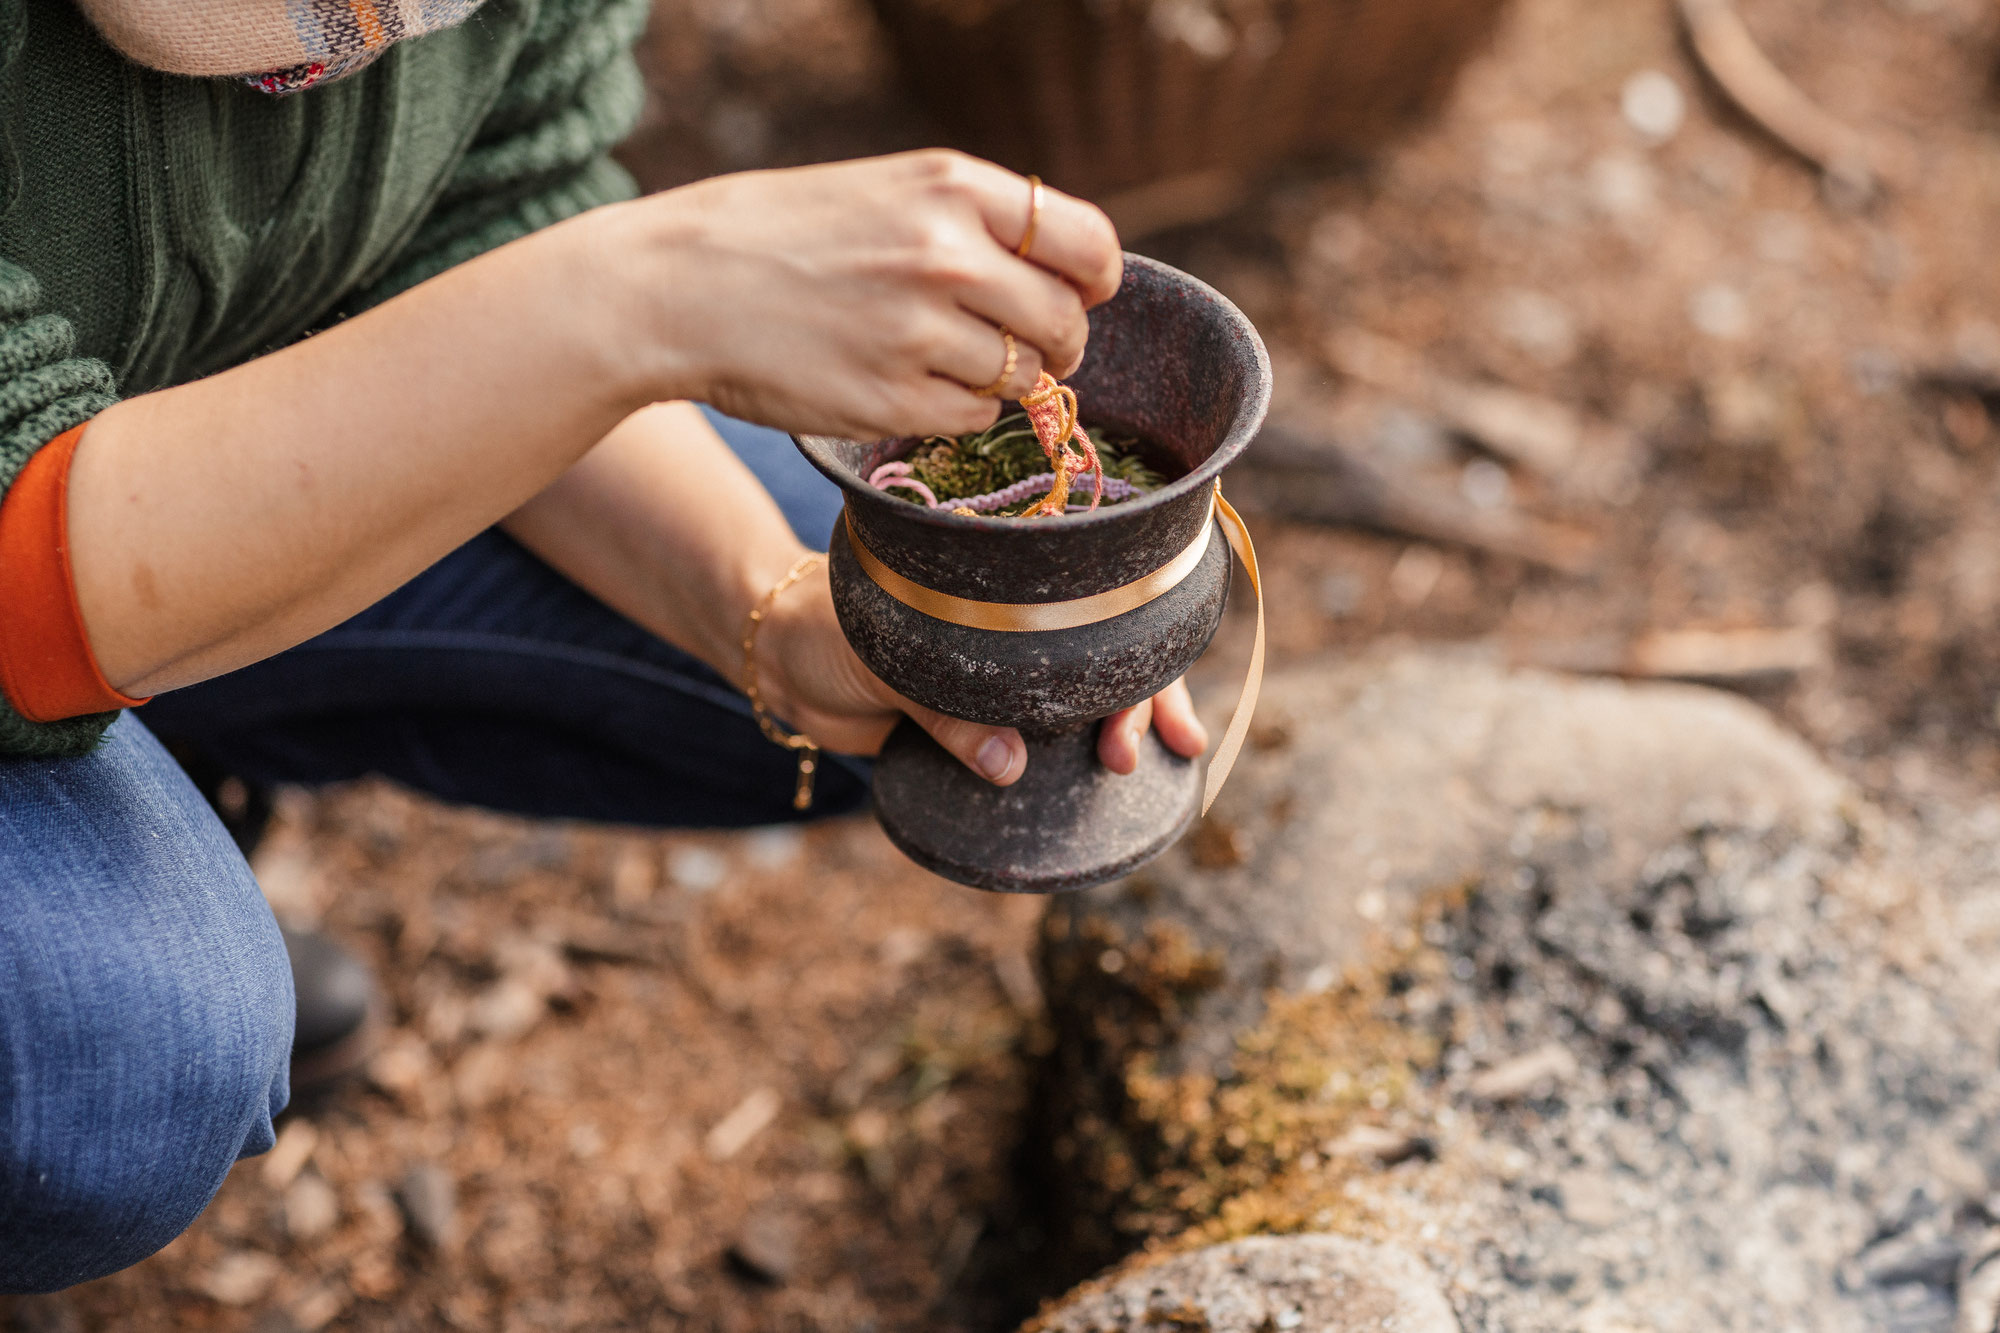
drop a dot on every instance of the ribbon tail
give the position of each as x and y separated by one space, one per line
1238 730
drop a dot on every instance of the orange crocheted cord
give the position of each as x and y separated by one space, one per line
1052 411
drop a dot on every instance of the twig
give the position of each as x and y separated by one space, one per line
1528 430
1749 656
1291 474
1731 57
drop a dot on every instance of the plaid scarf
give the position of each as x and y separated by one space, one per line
280 46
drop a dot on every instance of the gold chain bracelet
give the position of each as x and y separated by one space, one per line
804 745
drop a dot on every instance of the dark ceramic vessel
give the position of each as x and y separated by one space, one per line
1171 362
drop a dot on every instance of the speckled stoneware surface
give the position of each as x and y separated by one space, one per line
1069 823
1171 361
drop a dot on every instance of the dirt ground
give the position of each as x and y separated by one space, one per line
775 1081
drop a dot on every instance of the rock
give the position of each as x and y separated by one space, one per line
1979 1286
1326 1284
697 869
766 1248
428 1198
311 1208
1653 105
239 1277
1428 839
1403 775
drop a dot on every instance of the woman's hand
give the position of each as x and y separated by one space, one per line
811 678
863 299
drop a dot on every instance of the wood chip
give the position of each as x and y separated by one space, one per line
1176 201
1528 430
1536 1074
289 1154
1387 1146
1727 655
733 1133
1307 476
1016 975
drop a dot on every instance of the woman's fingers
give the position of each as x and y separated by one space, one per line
1170 712
1118 739
994 753
1072 238
974 353
1040 308
1175 720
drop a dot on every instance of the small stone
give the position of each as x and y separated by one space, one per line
634 876
766 1248
1653 105
1624 187
1340 594
1720 311
1979 1286
239 1278
311 1208
1486 485
775 848
1919 1256
429 1199
1538 324
1591 1199
1414 576
903 946
697 869
403 1067
506 1009
319 1307
481 1075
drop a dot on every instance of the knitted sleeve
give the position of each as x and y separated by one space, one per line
45 389
543 152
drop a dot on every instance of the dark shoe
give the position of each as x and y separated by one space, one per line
338 1018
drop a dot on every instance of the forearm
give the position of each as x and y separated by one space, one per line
214 524
662 522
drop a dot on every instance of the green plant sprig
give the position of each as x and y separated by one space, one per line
960 467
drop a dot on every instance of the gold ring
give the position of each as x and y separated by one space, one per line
1035 193
994 389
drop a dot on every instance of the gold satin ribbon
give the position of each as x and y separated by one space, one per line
1030 617
1238 533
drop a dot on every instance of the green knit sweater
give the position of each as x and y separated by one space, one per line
155 229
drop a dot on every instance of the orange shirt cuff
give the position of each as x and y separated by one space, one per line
46 666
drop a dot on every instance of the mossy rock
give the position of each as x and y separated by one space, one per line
1222 1018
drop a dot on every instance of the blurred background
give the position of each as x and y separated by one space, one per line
1617 336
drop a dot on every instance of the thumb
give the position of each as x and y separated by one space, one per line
995 753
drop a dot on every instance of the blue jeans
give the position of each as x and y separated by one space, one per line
145 999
